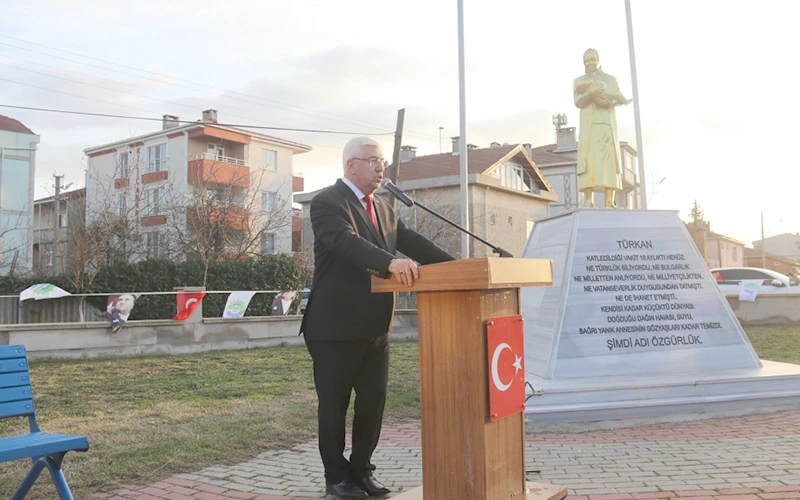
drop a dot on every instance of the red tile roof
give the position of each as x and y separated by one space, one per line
543 155
441 165
13 125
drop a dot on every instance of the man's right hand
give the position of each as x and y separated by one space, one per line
405 270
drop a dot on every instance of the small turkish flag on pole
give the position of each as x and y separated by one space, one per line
506 355
187 303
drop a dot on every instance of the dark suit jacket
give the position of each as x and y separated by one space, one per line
348 250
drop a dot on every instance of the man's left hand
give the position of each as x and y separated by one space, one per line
405 270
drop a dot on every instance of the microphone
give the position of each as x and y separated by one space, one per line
397 192
403 197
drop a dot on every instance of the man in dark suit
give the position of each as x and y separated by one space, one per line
346 326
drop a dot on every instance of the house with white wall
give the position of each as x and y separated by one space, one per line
17 171
217 170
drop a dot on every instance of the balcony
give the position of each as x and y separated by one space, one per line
231 217
298 183
223 170
628 179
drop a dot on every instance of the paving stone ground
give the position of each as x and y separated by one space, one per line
737 458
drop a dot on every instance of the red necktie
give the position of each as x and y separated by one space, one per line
371 210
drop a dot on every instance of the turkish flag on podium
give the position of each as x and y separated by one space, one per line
506 355
187 303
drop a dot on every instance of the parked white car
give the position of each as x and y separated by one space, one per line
774 283
304 300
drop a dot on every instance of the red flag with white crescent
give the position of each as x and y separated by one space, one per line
506 355
187 303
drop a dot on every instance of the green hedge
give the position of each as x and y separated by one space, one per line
268 272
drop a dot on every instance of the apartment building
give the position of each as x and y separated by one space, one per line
191 186
717 249
17 171
56 232
784 245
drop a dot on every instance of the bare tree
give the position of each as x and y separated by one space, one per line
11 224
430 226
305 258
229 213
110 232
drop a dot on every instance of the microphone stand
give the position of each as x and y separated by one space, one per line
495 249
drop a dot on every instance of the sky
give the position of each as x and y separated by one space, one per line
715 126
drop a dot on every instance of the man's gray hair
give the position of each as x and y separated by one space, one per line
353 148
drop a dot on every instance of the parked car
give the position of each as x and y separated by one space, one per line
304 299
728 279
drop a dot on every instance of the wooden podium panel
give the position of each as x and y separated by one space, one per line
465 455
471 454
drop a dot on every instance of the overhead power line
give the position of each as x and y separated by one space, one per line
145 118
161 79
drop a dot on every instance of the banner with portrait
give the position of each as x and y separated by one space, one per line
118 308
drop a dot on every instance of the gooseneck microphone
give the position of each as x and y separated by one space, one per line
404 198
397 192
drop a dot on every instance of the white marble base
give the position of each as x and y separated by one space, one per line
623 397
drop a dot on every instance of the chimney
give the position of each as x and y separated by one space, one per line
528 149
494 145
407 153
470 147
565 140
456 145
169 121
210 116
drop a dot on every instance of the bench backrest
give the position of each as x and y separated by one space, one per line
16 396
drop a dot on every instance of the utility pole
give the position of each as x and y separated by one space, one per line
463 163
440 139
637 119
56 225
394 170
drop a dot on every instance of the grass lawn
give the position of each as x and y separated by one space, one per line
147 418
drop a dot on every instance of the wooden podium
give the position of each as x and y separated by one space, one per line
464 454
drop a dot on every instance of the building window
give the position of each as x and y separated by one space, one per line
269 160
216 152
528 228
62 220
124 164
510 221
48 255
157 158
153 201
512 176
776 264
268 243
157 246
491 219
268 200
735 253
122 205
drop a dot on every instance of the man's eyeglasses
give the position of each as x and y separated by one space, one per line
375 162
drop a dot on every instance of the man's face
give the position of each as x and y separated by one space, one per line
124 304
365 176
590 61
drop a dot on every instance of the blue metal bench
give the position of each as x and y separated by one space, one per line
44 449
